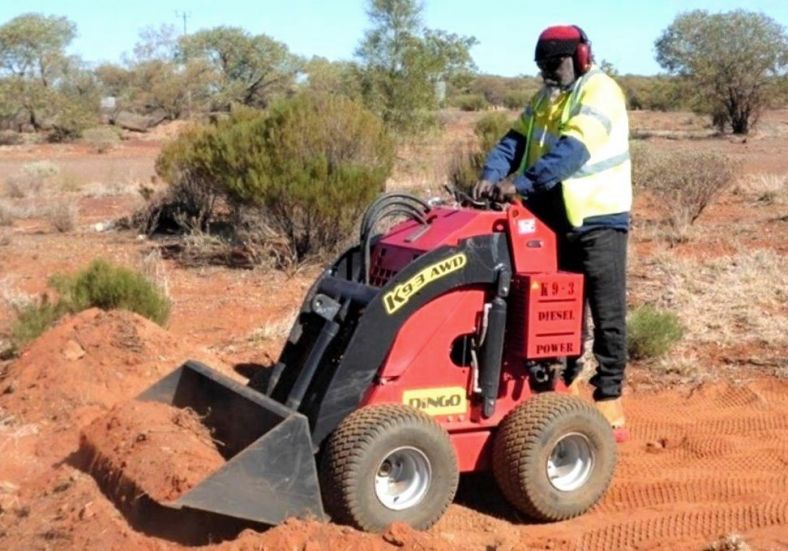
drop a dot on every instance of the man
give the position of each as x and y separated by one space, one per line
569 151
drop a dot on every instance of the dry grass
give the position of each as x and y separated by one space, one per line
684 365
638 134
15 187
203 249
63 216
7 214
10 137
276 329
7 420
12 296
12 430
729 542
152 267
101 138
683 182
111 188
425 161
414 173
768 189
30 180
86 175
728 301
69 182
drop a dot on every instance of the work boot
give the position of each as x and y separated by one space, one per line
574 388
613 411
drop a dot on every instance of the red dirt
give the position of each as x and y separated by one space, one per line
78 370
703 461
164 450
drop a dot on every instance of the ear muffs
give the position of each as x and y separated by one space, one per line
583 57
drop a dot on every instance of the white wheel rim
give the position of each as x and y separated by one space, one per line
403 478
570 462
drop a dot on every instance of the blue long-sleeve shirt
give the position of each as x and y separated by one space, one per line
563 160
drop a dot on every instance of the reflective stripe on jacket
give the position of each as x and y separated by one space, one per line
593 111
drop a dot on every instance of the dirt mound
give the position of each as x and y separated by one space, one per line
162 450
77 370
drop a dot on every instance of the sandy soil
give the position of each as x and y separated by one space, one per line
164 451
82 466
702 461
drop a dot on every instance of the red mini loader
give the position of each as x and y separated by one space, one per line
420 354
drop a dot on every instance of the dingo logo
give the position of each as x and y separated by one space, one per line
437 401
399 297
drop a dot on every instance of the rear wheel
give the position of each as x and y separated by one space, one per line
388 463
554 456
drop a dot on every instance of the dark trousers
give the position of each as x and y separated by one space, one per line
600 255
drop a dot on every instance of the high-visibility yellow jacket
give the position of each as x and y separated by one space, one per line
593 112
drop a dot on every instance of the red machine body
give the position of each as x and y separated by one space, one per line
428 366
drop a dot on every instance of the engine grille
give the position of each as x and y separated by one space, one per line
387 262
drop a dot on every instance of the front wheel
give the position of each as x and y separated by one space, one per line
554 456
388 463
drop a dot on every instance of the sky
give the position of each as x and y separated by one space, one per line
622 32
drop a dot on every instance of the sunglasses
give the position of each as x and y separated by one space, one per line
550 64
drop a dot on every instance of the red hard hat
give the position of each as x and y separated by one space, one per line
558 40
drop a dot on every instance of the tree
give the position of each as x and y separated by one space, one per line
42 87
331 77
729 59
248 69
155 80
402 61
608 68
33 46
74 104
157 43
157 85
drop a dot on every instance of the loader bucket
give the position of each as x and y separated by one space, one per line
270 472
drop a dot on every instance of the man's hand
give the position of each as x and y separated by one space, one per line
483 189
504 192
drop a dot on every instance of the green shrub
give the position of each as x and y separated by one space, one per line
100 285
103 285
510 92
189 165
71 117
465 168
9 137
491 128
517 99
101 138
471 102
491 88
651 332
466 164
656 93
34 319
311 163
